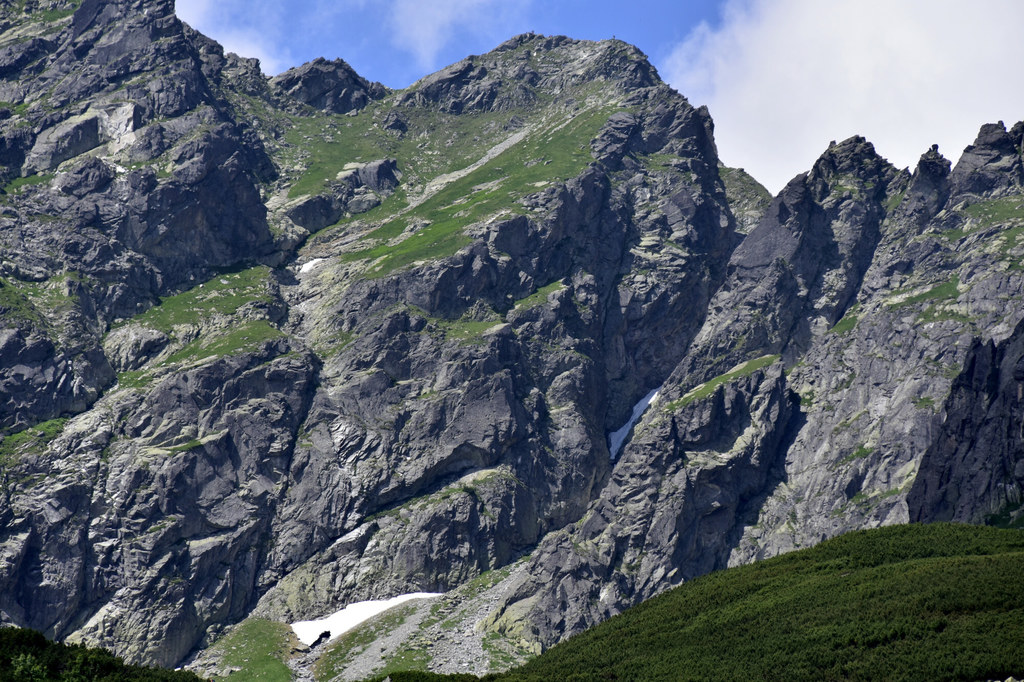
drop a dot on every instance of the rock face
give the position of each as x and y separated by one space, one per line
136 180
669 512
459 373
272 346
878 291
973 472
330 86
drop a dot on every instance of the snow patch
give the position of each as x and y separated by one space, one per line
309 265
308 631
617 439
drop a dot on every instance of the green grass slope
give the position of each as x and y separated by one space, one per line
935 602
938 602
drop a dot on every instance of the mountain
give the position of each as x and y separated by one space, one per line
513 334
907 602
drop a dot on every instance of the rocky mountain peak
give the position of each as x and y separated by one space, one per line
331 86
518 40
848 172
512 74
932 167
852 165
929 187
993 164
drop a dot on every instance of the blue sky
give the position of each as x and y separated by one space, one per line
398 41
781 77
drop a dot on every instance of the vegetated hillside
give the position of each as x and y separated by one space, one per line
271 346
27 656
934 602
915 602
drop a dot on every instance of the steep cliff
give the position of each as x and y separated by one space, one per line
893 302
272 346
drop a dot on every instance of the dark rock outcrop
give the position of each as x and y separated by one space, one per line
355 190
993 164
973 472
331 86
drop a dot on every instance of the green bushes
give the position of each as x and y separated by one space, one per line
940 602
27 656
936 602
416 676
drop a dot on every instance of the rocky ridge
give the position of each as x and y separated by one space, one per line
877 291
272 346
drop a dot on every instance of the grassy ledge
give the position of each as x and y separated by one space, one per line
538 297
947 291
847 323
257 649
33 439
221 295
710 386
217 304
996 211
553 154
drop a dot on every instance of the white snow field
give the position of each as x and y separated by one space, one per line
308 631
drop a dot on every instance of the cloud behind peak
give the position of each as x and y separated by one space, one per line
783 77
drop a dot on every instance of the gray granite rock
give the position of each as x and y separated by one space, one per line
197 429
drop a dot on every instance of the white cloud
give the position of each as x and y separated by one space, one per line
426 28
249 29
251 44
192 11
783 77
431 32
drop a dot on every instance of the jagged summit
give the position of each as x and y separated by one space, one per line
928 190
992 165
333 86
272 346
513 73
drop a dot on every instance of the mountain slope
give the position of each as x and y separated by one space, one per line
873 307
272 346
905 603
271 427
